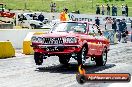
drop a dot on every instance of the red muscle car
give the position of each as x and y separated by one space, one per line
78 40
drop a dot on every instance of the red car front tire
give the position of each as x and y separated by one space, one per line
38 58
101 61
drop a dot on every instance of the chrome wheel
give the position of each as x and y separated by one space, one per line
104 58
81 56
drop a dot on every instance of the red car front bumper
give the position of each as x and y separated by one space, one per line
56 50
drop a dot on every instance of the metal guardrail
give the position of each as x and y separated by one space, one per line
6 26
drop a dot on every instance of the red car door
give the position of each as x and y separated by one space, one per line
92 41
99 44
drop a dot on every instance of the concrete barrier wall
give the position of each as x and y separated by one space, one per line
27 49
6 26
16 36
6 49
72 15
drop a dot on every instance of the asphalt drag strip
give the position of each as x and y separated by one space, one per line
21 70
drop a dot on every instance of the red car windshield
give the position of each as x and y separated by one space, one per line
70 27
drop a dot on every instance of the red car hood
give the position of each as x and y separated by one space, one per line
61 34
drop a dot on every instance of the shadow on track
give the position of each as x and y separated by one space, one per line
73 68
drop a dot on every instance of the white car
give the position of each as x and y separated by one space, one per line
28 21
32 24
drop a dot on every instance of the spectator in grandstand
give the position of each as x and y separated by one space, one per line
97 9
64 15
126 9
123 10
122 26
108 9
103 9
97 21
51 6
41 17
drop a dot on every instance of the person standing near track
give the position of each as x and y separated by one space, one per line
113 10
97 21
131 30
54 7
122 26
103 9
51 6
41 17
108 23
123 10
35 16
126 8
64 15
108 9
114 27
97 9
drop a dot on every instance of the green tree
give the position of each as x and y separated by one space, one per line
110 0
107 1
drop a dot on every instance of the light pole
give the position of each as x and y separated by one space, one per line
25 4
92 3
92 6
75 4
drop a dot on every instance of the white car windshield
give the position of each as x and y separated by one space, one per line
70 27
